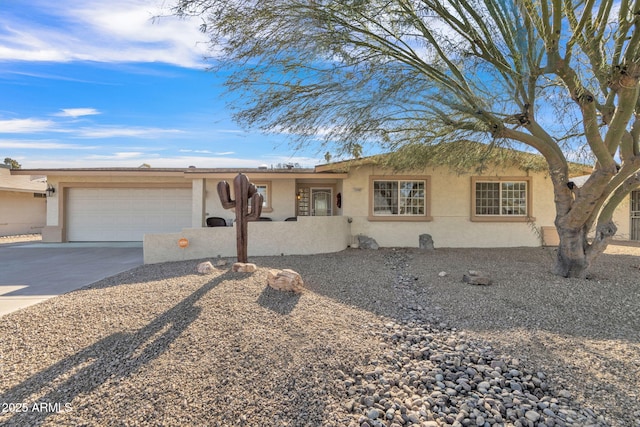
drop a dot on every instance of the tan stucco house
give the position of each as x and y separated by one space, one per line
22 203
507 206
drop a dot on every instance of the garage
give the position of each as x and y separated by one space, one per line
125 214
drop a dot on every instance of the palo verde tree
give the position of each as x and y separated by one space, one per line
557 76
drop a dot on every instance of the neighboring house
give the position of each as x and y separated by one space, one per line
22 203
333 204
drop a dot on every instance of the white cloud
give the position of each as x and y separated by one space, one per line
32 125
25 125
219 153
42 145
119 132
195 151
77 112
118 156
134 159
102 31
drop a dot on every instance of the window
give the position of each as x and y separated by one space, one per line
404 198
264 188
501 199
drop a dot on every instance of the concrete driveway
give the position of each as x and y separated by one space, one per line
33 272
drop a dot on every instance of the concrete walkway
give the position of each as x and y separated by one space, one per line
33 272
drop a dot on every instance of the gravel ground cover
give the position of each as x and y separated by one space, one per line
378 338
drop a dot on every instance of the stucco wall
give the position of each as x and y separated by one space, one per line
622 219
308 235
21 213
450 200
450 209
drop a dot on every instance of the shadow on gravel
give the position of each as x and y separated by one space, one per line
427 286
586 333
150 273
119 355
278 301
355 277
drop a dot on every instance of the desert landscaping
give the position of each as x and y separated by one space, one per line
391 337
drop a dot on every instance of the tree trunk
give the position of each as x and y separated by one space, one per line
572 260
575 253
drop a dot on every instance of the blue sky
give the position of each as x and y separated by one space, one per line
99 83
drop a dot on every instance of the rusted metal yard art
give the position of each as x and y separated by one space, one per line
245 193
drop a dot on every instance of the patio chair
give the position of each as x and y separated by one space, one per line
215 221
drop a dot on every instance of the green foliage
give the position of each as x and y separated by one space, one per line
560 78
467 157
403 72
13 163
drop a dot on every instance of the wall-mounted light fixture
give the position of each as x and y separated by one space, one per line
50 191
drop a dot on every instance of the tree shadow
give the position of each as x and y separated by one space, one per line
119 355
318 275
150 272
400 280
280 302
528 312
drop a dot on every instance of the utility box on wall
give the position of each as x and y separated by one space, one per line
550 236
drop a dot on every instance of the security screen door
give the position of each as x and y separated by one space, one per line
635 215
321 201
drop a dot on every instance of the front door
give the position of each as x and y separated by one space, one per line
321 202
635 215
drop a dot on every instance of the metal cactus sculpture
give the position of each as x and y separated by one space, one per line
245 193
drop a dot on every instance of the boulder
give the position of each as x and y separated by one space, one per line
241 267
285 280
477 278
221 262
365 242
426 242
205 268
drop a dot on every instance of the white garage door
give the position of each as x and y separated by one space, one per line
125 214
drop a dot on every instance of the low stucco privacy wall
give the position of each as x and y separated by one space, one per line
306 236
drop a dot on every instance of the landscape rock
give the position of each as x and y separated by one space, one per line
285 280
225 352
426 242
205 268
477 278
221 262
365 242
241 267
